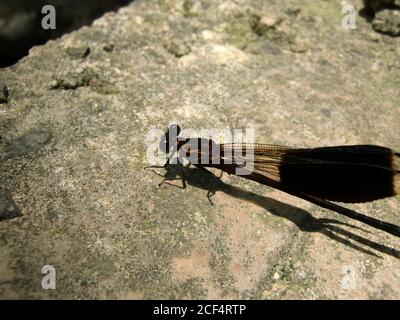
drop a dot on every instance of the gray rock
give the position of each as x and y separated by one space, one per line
109 47
93 212
78 52
261 25
388 22
8 209
177 47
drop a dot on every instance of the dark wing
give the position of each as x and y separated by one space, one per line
261 158
356 173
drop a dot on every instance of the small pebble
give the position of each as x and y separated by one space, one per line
388 22
108 47
178 48
266 23
78 52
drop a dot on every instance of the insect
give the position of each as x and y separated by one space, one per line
352 174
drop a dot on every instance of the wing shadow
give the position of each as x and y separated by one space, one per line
331 228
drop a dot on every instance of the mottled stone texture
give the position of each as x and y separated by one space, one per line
73 152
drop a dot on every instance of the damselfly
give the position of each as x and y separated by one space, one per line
352 174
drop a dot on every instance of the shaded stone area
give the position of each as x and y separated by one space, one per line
4 93
75 134
8 209
21 22
32 141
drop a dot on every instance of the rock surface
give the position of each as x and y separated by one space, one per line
73 150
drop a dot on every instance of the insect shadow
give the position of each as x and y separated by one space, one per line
331 228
